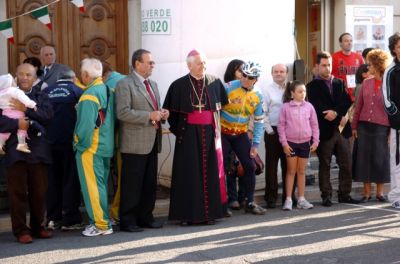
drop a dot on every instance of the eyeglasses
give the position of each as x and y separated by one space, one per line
151 63
248 77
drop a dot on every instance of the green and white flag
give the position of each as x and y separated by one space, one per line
43 15
6 30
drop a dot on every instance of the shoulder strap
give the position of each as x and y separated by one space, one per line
108 96
101 116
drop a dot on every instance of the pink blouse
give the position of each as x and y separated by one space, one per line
369 106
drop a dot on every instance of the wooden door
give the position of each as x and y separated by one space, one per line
100 32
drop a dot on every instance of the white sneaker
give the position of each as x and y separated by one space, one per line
304 204
396 205
23 147
92 230
287 205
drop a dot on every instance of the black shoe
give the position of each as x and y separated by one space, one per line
153 224
381 199
227 213
234 205
326 202
211 222
131 228
270 205
348 199
365 199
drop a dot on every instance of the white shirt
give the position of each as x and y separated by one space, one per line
273 101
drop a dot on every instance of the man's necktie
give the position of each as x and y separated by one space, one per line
150 92
46 69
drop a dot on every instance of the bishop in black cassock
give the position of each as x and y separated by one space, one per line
195 187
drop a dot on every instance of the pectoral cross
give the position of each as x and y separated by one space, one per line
199 106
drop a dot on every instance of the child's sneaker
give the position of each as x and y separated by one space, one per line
92 230
23 147
304 204
287 206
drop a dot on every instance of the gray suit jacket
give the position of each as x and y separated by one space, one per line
136 133
51 76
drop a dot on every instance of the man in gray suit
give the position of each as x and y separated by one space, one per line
140 114
51 69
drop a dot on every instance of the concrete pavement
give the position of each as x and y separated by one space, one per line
367 233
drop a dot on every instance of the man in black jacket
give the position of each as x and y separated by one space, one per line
63 196
331 102
27 173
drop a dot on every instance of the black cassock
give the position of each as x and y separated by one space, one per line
195 190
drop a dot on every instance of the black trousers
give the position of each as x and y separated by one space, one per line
27 186
274 153
138 188
63 195
340 147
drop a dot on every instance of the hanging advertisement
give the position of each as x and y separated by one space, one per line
371 26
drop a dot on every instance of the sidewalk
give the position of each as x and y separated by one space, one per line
312 194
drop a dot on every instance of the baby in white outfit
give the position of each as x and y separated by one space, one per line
8 90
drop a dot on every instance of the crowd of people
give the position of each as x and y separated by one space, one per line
60 137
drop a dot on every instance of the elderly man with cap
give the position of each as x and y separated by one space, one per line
63 194
194 101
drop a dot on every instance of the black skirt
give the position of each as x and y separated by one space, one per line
371 154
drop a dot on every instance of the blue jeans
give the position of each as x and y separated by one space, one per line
240 144
235 193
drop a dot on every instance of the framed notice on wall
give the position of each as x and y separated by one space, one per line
370 25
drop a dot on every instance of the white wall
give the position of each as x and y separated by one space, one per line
226 29
256 30
134 29
3 41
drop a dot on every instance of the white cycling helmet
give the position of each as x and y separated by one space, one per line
252 69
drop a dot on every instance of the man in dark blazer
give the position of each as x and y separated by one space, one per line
331 101
51 69
140 114
27 173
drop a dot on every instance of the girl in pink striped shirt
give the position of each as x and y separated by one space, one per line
299 134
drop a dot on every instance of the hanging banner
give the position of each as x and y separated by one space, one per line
42 15
370 25
79 4
6 30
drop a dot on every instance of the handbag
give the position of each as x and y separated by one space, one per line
259 166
